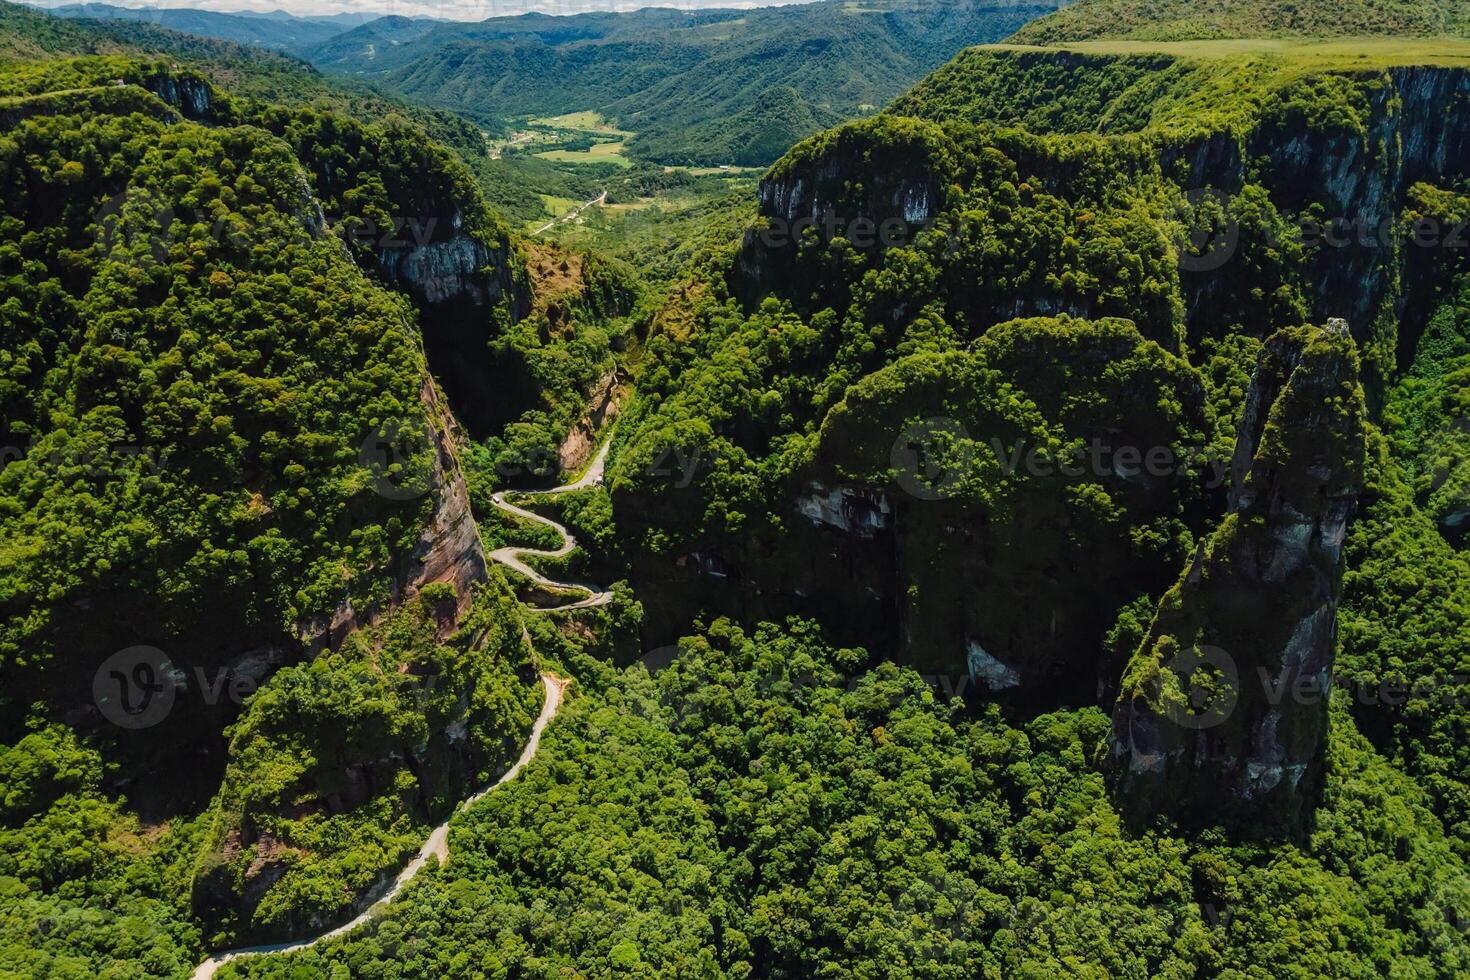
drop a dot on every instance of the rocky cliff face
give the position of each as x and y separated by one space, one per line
185 91
456 267
1223 710
603 404
448 551
1316 169
250 848
958 544
1343 177
873 193
467 292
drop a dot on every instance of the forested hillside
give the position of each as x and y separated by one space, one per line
776 815
251 642
1025 537
918 398
248 72
713 87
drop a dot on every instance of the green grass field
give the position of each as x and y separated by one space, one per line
557 205
722 171
659 234
585 122
610 152
1366 52
590 123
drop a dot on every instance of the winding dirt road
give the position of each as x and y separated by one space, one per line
437 844
571 215
511 557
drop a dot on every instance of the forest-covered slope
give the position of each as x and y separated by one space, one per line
282 31
230 471
1343 154
922 391
766 807
248 72
1036 543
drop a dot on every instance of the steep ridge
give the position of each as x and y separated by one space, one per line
435 846
213 889
930 407
449 550
272 32
511 557
229 406
1223 710
1342 154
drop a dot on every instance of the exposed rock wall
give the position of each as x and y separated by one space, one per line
873 192
603 405
1337 153
449 549
854 510
459 266
1223 710
954 543
191 94
1353 172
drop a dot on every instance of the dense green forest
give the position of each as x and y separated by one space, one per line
1032 539
213 320
878 296
769 806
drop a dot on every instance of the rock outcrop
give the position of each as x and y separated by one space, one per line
1354 171
467 292
458 266
875 187
942 523
603 405
1223 709
448 551
187 92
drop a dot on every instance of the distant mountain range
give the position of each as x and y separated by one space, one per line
705 86
269 29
